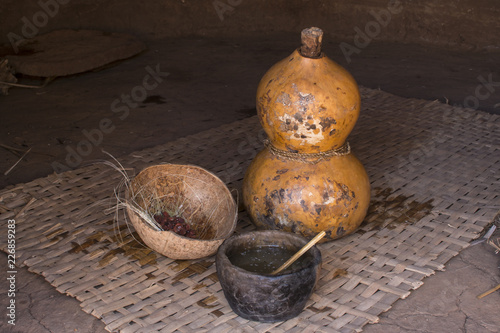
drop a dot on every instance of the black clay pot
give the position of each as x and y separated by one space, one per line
264 297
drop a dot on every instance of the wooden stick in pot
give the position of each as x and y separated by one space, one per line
297 255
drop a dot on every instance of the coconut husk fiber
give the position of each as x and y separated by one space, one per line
67 52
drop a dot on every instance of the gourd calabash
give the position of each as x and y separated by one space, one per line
307 105
332 195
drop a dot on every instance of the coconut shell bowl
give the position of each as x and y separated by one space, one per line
181 193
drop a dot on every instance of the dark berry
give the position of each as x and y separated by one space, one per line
179 229
158 218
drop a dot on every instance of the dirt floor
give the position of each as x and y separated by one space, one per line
204 83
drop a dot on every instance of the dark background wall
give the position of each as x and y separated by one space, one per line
471 24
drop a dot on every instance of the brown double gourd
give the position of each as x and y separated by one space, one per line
307 180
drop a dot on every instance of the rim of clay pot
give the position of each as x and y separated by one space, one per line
314 251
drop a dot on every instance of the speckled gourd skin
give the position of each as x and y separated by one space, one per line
307 105
332 195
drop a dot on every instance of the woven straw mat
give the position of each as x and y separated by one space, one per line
435 184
